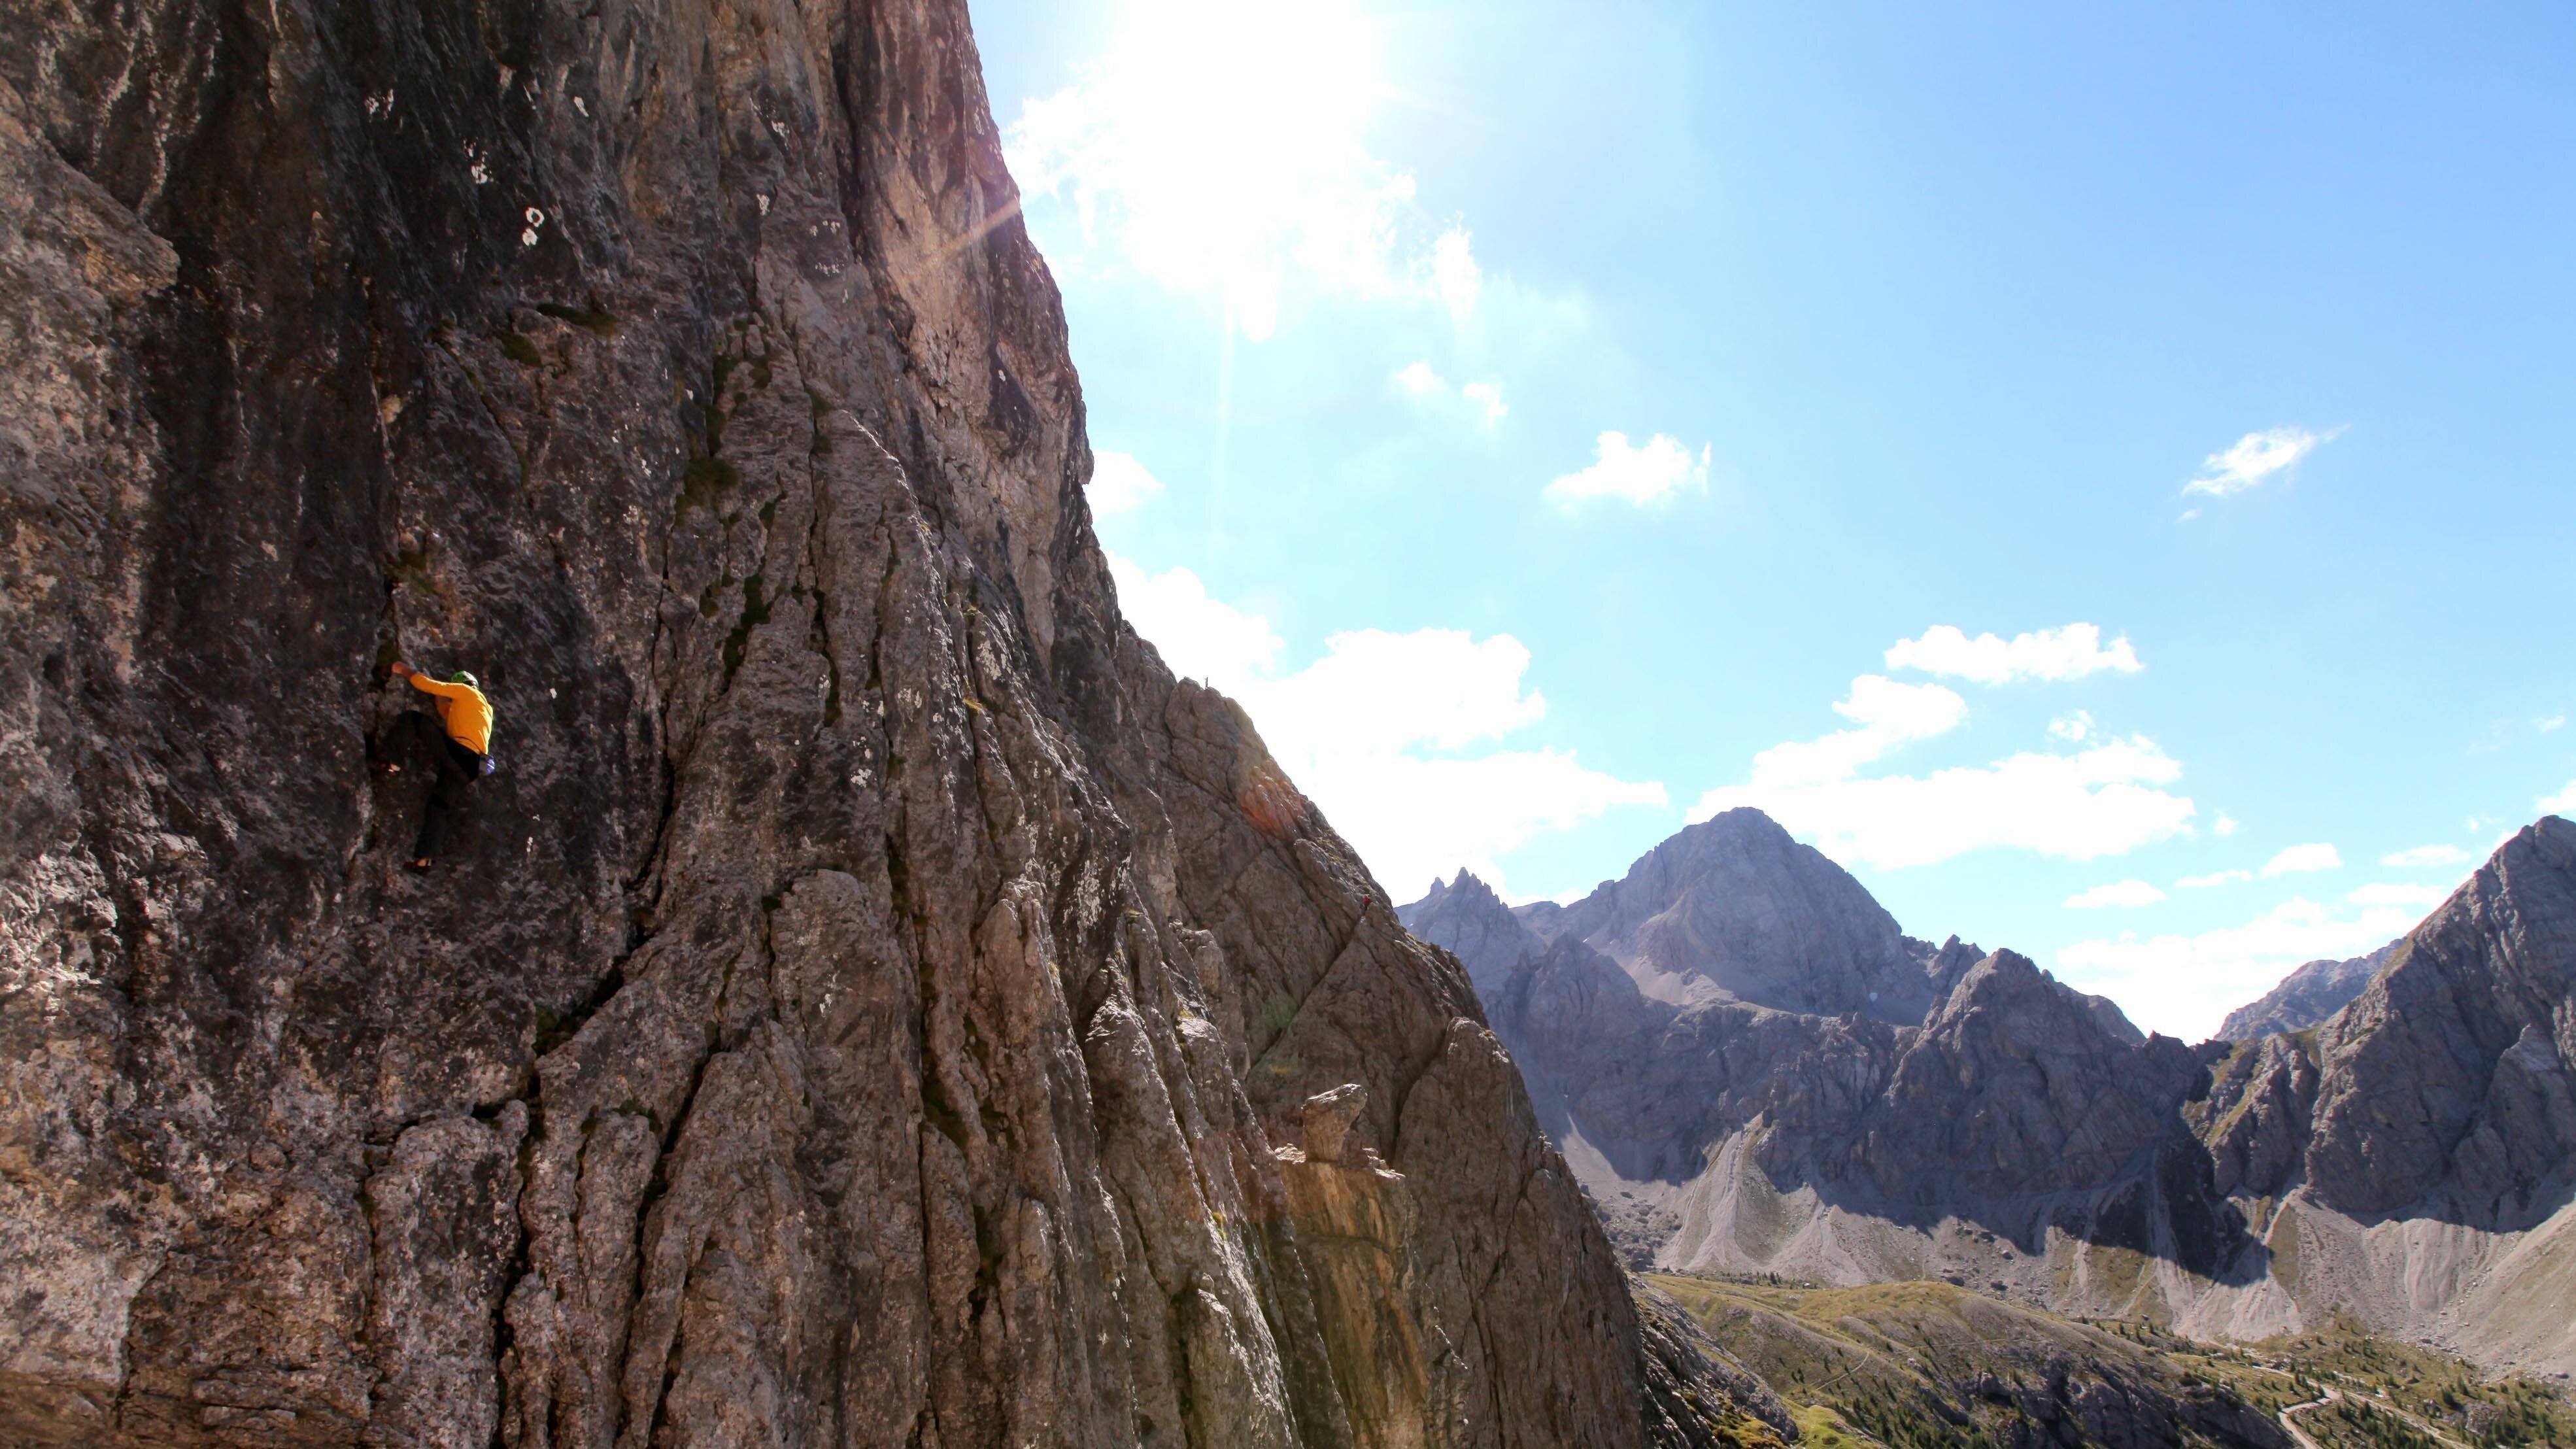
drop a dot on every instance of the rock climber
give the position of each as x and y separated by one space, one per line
461 733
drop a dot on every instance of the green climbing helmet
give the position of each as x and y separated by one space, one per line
463 678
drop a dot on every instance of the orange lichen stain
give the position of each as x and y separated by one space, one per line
1272 804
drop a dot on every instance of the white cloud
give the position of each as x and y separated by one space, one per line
1221 150
1454 273
1200 637
2550 725
1619 469
1391 734
2214 878
1384 691
2413 897
2426 855
1888 715
2119 893
2071 652
2095 802
2562 803
2299 858
1484 400
1119 484
2072 728
2251 459
2226 824
2184 985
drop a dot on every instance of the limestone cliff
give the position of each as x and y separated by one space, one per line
2410 1161
872 1004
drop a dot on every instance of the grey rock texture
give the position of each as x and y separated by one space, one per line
1466 916
1733 909
1683 1361
2305 997
1743 1004
2410 1160
2444 1085
2015 1088
2256 1114
874 1004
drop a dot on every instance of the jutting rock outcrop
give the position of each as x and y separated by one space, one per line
2417 1152
872 1004
2409 1160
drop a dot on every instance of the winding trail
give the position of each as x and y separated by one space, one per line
2299 1434
2385 1406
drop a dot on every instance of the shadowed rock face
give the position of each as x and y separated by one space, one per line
2445 1085
2014 1087
874 1004
2305 997
2410 1158
2442 1090
2261 1101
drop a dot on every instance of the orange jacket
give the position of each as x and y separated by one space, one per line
467 714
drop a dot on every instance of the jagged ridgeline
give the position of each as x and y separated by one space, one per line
1752 1070
873 1004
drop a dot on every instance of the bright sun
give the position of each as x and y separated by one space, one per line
1224 143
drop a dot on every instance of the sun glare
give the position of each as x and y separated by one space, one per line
1226 144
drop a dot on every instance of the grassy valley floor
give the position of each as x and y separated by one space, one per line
1922 1364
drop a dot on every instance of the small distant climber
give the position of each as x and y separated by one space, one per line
461 733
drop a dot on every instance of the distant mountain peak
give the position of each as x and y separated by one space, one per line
1731 908
2305 997
1698 1035
1469 918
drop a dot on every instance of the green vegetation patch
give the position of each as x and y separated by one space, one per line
1916 1364
705 481
2387 1393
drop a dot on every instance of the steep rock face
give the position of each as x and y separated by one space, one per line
2305 997
1709 1134
1683 1362
2410 1161
1732 908
2445 1083
2255 1117
1466 916
873 1003
1647 1085
1997 1093
2015 1087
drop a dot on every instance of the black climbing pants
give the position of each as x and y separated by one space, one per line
458 768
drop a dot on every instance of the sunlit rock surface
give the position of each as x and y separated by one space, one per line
873 1004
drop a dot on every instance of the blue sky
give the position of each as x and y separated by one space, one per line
1555 422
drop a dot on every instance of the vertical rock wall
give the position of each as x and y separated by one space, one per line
873 1004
